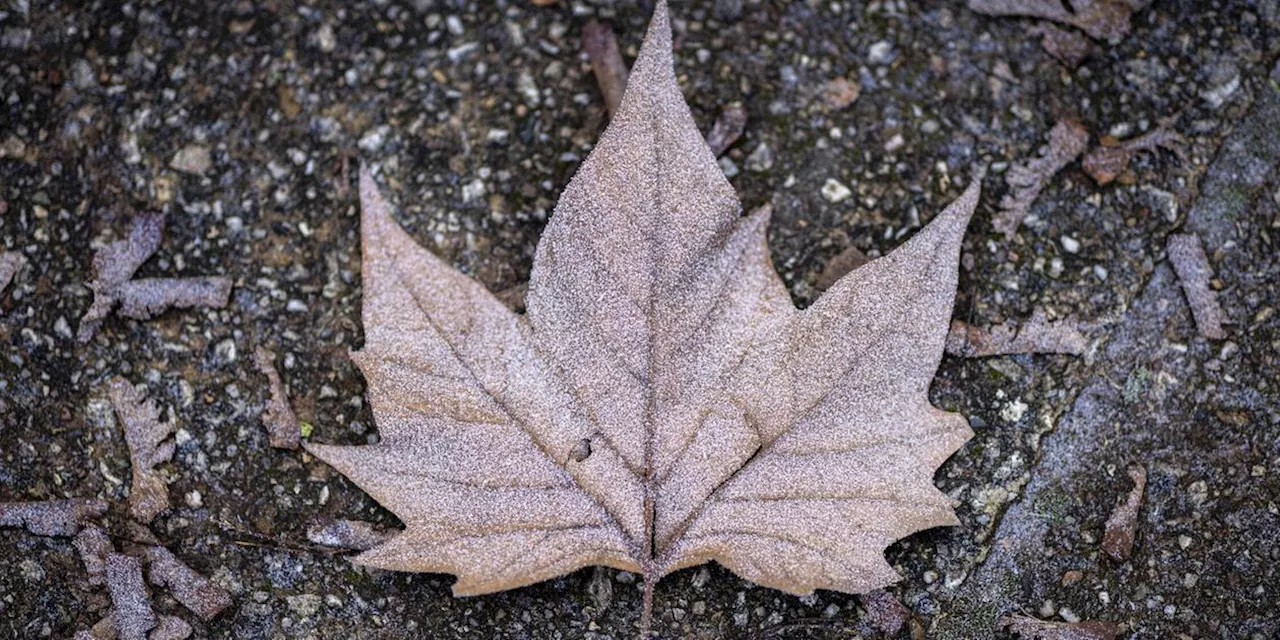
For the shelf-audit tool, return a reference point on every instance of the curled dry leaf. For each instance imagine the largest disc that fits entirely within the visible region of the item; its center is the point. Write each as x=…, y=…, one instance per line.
x=1192, y=267
x=133, y=614
x=1032, y=629
x=149, y=446
x=52, y=517
x=606, y=62
x=283, y=429
x=114, y=266
x=728, y=128
x=719, y=422
x=348, y=534
x=10, y=263
x=194, y=591
x=1122, y=525
x=1101, y=19
x=1036, y=335
x=104, y=629
x=1067, y=140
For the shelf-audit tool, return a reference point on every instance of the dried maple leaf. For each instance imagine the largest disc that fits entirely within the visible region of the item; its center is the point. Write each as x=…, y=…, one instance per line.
x=149, y=445
x=662, y=403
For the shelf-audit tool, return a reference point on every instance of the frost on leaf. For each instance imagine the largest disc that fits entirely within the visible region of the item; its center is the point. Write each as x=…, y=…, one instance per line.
x=114, y=266
x=149, y=446
x=662, y=403
x=53, y=517
x=133, y=613
x=1193, y=269
x=1067, y=140
x=194, y=591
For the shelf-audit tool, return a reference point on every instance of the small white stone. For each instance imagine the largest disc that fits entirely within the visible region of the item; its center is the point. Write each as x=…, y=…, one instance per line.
x=1070, y=245
x=194, y=499
x=881, y=53
x=833, y=191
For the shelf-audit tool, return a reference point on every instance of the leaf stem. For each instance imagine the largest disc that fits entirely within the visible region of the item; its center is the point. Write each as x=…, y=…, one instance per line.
x=646, y=612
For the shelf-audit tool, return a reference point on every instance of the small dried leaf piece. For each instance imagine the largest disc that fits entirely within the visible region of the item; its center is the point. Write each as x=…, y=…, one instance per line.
x=1069, y=47
x=348, y=534
x=606, y=62
x=1036, y=335
x=1122, y=526
x=170, y=628
x=194, y=591
x=1101, y=19
x=884, y=612
x=114, y=266
x=52, y=517
x=791, y=446
x=283, y=429
x=1067, y=140
x=1109, y=161
x=10, y=263
x=104, y=629
x=727, y=129
x=134, y=617
x=1192, y=267
x=1032, y=629
x=94, y=545
x=149, y=446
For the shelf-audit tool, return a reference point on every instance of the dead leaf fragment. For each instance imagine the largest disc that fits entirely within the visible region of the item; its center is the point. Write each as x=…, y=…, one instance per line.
x=727, y=128
x=348, y=534
x=1067, y=140
x=606, y=62
x=10, y=263
x=791, y=446
x=1069, y=47
x=114, y=266
x=1037, y=335
x=1192, y=267
x=94, y=545
x=52, y=517
x=1110, y=160
x=283, y=430
x=104, y=629
x=884, y=612
x=1033, y=629
x=133, y=614
x=170, y=628
x=1122, y=525
x=194, y=591
x=149, y=446
x=1101, y=19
